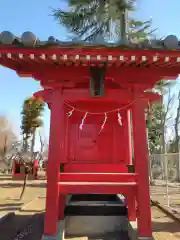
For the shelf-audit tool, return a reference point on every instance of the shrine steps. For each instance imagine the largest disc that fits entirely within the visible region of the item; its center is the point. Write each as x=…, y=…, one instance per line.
x=95, y=216
x=97, y=177
x=94, y=198
x=100, y=183
x=96, y=187
x=93, y=210
x=96, y=205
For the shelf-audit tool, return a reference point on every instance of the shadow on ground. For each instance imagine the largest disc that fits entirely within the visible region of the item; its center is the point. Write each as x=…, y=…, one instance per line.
x=171, y=227
x=29, y=227
x=17, y=185
x=10, y=207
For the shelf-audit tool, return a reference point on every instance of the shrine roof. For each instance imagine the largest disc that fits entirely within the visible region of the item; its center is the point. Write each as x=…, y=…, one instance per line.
x=29, y=56
x=29, y=40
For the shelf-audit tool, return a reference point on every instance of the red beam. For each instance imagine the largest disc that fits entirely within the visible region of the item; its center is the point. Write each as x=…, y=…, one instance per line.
x=97, y=177
x=74, y=95
x=84, y=94
x=151, y=97
x=114, y=52
x=96, y=168
x=45, y=94
x=47, y=72
x=96, y=187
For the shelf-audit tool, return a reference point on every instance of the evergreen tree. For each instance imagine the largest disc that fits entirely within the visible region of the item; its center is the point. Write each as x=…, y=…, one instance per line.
x=33, y=109
x=88, y=19
x=158, y=117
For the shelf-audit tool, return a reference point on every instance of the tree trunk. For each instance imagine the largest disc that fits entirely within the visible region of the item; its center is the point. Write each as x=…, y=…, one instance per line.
x=177, y=137
x=25, y=143
x=24, y=185
x=123, y=24
x=33, y=143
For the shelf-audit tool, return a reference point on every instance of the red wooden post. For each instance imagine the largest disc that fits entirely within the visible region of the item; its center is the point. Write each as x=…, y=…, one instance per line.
x=141, y=168
x=62, y=198
x=55, y=151
x=62, y=204
x=14, y=167
x=127, y=137
x=35, y=169
x=131, y=202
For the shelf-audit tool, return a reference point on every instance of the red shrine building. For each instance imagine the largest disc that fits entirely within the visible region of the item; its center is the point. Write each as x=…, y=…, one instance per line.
x=97, y=95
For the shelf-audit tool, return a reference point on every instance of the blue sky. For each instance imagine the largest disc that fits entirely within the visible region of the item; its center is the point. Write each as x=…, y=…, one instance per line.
x=35, y=15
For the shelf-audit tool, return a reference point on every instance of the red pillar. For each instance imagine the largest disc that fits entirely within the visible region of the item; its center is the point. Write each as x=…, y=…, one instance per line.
x=62, y=205
x=127, y=136
x=141, y=168
x=62, y=198
x=35, y=169
x=131, y=203
x=55, y=153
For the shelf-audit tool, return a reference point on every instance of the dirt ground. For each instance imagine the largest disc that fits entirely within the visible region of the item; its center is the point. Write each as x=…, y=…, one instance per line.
x=10, y=192
x=34, y=202
x=159, y=192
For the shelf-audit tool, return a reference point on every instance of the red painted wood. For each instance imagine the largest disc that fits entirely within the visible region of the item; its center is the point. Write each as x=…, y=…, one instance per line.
x=62, y=205
x=114, y=98
x=96, y=187
x=54, y=159
x=87, y=146
x=96, y=168
x=127, y=136
x=119, y=75
x=110, y=96
x=131, y=204
x=97, y=177
x=17, y=175
x=85, y=151
x=89, y=51
x=35, y=168
x=141, y=168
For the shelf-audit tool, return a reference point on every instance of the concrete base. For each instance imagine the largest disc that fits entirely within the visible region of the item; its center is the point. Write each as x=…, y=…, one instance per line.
x=133, y=233
x=94, y=225
x=59, y=235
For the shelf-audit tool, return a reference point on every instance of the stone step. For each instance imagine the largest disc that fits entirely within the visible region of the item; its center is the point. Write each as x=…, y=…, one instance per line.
x=96, y=210
x=96, y=197
x=95, y=226
x=95, y=203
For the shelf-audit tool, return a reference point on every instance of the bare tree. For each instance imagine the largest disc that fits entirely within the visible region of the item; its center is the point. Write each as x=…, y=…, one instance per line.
x=166, y=116
x=7, y=140
x=176, y=126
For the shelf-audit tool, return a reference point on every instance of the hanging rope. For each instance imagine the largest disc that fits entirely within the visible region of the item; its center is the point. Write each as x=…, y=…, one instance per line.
x=70, y=112
x=102, y=126
x=99, y=113
x=82, y=123
x=119, y=118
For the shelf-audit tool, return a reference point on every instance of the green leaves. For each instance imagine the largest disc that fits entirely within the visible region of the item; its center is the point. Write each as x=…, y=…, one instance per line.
x=154, y=125
x=89, y=18
x=139, y=30
x=31, y=116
